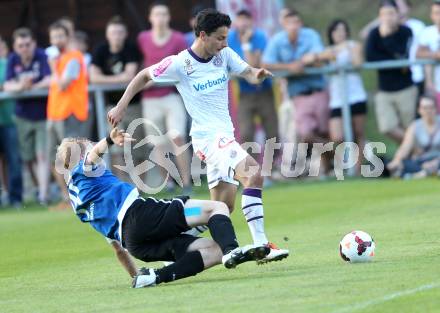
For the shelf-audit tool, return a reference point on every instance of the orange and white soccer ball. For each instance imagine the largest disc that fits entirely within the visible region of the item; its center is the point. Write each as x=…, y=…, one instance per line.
x=356, y=247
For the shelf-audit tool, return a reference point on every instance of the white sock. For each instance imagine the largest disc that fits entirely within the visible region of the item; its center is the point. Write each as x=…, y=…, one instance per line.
x=196, y=231
x=252, y=207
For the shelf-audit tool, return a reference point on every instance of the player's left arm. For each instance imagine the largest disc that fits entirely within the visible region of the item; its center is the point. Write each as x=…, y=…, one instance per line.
x=116, y=136
x=255, y=75
x=124, y=258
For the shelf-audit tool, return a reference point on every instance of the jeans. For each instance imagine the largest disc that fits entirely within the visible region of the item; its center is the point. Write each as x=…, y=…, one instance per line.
x=9, y=150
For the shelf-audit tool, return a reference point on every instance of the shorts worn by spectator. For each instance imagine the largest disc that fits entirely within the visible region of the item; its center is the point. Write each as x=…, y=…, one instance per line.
x=28, y=69
x=255, y=100
x=9, y=144
x=292, y=49
x=397, y=96
x=419, y=153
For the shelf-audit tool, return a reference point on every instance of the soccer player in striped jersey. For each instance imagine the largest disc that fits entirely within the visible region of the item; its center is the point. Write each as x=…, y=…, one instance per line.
x=201, y=74
x=150, y=229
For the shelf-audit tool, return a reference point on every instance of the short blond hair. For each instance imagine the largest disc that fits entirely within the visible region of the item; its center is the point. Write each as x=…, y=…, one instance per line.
x=71, y=151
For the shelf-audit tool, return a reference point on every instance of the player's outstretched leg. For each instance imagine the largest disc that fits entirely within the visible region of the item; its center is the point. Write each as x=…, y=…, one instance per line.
x=204, y=253
x=252, y=207
x=216, y=215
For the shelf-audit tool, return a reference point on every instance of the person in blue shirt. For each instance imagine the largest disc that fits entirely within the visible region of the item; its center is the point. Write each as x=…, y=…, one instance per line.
x=190, y=36
x=28, y=69
x=255, y=100
x=291, y=50
x=150, y=229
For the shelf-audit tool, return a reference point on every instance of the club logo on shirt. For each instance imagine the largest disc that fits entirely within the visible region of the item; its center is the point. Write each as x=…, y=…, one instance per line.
x=210, y=83
x=217, y=61
x=162, y=67
x=188, y=67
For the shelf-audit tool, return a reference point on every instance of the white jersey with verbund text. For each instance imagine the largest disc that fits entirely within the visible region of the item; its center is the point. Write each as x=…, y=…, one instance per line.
x=203, y=85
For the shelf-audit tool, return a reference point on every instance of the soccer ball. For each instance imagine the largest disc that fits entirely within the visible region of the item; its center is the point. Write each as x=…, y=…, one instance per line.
x=356, y=247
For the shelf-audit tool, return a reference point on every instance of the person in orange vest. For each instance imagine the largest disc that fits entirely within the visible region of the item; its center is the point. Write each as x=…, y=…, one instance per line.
x=67, y=106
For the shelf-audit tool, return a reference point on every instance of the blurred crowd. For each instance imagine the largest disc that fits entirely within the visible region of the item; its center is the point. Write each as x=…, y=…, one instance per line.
x=310, y=109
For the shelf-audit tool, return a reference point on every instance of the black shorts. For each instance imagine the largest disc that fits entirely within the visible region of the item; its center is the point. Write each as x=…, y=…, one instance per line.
x=359, y=108
x=152, y=229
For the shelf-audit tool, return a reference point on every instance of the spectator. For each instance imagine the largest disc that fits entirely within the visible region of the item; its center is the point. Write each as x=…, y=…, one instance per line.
x=80, y=42
x=255, y=100
x=343, y=52
x=162, y=105
x=9, y=139
x=28, y=69
x=116, y=61
x=52, y=51
x=396, y=99
x=293, y=49
x=429, y=48
x=67, y=107
x=416, y=26
x=419, y=153
x=190, y=36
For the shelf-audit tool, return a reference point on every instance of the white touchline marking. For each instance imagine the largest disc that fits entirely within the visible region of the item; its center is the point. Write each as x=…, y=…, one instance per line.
x=390, y=297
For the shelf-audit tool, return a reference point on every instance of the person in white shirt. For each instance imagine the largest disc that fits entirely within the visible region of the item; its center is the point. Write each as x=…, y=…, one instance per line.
x=429, y=48
x=201, y=75
x=342, y=52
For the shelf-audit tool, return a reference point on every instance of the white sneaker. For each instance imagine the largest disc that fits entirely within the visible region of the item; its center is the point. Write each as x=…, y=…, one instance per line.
x=145, y=278
x=275, y=254
x=244, y=254
x=167, y=263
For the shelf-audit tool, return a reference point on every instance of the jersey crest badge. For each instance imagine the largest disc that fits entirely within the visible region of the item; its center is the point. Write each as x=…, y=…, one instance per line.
x=217, y=61
x=188, y=67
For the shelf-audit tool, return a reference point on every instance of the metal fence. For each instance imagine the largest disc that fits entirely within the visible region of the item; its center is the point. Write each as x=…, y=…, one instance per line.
x=98, y=91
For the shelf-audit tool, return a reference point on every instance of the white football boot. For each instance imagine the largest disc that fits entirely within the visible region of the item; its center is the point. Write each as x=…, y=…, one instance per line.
x=145, y=278
x=275, y=254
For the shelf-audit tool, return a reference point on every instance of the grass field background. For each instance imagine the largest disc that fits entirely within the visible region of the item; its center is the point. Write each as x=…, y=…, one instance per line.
x=50, y=262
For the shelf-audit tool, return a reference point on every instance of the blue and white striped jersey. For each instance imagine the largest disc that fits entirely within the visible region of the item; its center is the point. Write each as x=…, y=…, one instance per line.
x=100, y=198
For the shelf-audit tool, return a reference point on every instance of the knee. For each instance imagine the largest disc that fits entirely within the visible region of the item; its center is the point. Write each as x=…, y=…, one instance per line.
x=337, y=140
x=254, y=180
x=178, y=140
x=219, y=207
x=211, y=255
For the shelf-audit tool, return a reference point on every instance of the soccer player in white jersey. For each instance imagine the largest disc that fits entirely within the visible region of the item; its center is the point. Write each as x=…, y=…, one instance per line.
x=150, y=229
x=201, y=74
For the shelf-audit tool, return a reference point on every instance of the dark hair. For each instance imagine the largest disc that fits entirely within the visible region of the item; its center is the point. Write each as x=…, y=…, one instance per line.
x=388, y=3
x=291, y=12
x=197, y=9
x=209, y=20
x=436, y=2
x=116, y=20
x=58, y=25
x=156, y=4
x=429, y=96
x=244, y=12
x=331, y=28
x=22, y=32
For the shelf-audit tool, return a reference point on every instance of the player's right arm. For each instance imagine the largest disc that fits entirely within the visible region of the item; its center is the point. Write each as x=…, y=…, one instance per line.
x=166, y=71
x=138, y=83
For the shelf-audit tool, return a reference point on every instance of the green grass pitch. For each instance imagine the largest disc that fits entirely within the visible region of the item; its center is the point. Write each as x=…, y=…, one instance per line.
x=50, y=262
